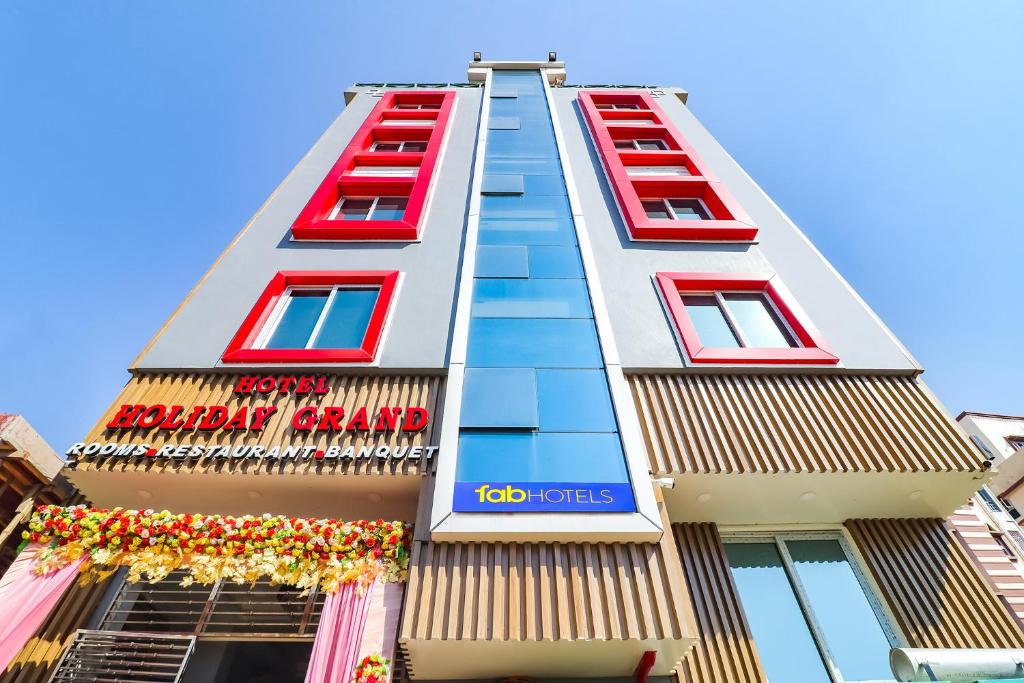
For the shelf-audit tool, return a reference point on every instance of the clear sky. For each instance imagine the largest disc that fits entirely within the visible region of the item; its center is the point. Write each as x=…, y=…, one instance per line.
x=137, y=139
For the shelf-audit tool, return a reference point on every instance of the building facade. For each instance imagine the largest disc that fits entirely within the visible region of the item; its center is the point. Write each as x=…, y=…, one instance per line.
x=637, y=425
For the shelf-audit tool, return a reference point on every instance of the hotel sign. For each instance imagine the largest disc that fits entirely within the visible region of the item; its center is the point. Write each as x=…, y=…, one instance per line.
x=542, y=497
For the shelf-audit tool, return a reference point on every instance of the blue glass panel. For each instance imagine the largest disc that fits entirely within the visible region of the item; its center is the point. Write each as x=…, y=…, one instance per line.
x=533, y=343
x=505, y=262
x=522, y=165
x=710, y=322
x=389, y=209
x=544, y=185
x=574, y=401
x=856, y=641
x=531, y=299
x=504, y=92
x=557, y=232
x=511, y=144
x=299, y=319
x=500, y=397
x=502, y=184
x=541, y=457
x=346, y=322
x=758, y=323
x=503, y=122
x=548, y=262
x=524, y=207
x=780, y=631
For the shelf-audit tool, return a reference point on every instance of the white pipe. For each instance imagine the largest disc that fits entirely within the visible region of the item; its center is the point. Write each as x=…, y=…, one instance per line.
x=935, y=664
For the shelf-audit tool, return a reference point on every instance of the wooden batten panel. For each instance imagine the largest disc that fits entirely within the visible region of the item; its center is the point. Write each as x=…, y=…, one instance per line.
x=37, y=660
x=545, y=592
x=718, y=424
x=936, y=593
x=724, y=651
x=347, y=391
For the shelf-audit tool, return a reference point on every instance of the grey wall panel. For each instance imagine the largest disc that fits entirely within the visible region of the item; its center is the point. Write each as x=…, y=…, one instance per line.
x=643, y=333
x=419, y=327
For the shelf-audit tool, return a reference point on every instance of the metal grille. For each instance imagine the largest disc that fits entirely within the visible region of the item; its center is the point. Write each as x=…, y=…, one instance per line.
x=101, y=657
x=223, y=609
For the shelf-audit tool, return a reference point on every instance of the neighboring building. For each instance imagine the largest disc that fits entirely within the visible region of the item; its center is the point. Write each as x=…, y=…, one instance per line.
x=29, y=476
x=641, y=425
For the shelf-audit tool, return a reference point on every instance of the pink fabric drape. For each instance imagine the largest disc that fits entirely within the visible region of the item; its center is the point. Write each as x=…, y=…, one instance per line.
x=339, y=635
x=26, y=599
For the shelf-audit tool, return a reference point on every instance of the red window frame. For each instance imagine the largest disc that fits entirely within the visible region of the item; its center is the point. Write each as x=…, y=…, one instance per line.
x=730, y=223
x=814, y=349
x=313, y=222
x=240, y=349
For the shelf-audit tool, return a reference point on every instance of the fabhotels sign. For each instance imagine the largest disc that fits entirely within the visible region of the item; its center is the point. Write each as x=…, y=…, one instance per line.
x=542, y=497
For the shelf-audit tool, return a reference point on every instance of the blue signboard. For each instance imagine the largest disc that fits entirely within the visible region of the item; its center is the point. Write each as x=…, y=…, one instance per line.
x=504, y=496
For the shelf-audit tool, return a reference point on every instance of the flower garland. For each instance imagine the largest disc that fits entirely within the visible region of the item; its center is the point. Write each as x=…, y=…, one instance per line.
x=291, y=551
x=372, y=669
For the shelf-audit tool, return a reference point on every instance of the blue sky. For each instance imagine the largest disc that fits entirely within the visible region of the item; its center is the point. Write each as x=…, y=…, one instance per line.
x=139, y=137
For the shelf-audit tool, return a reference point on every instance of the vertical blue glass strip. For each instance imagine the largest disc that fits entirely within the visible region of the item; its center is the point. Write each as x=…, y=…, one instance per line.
x=538, y=432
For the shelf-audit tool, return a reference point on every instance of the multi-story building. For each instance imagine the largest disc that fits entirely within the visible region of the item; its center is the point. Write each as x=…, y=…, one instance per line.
x=640, y=426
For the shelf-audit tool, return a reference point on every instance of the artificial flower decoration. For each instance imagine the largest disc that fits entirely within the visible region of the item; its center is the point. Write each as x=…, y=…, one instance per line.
x=293, y=551
x=372, y=669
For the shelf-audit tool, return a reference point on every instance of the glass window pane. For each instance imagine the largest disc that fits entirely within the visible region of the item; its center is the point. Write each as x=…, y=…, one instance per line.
x=710, y=322
x=574, y=401
x=495, y=183
x=354, y=209
x=524, y=207
x=502, y=262
x=550, y=262
x=689, y=210
x=783, y=639
x=624, y=144
x=758, y=322
x=651, y=145
x=656, y=209
x=389, y=209
x=414, y=146
x=346, y=322
x=530, y=299
x=503, y=122
x=855, y=639
x=553, y=232
x=387, y=146
x=533, y=343
x=532, y=457
x=299, y=318
x=499, y=397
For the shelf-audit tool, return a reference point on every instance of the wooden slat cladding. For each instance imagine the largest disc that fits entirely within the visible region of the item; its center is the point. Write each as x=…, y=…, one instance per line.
x=347, y=391
x=724, y=651
x=715, y=424
x=546, y=592
x=38, y=659
x=937, y=595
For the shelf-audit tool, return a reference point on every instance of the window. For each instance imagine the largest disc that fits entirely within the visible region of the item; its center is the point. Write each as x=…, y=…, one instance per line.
x=431, y=105
x=316, y=316
x=386, y=171
x=369, y=209
x=633, y=107
x=677, y=209
x=399, y=146
x=642, y=145
x=1015, y=442
x=811, y=612
x=740, y=318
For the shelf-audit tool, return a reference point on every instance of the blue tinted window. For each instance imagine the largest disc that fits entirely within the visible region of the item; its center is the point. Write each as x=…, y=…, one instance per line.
x=780, y=631
x=389, y=209
x=499, y=397
x=541, y=457
x=856, y=641
x=299, y=318
x=551, y=262
x=574, y=401
x=710, y=322
x=758, y=323
x=556, y=232
x=544, y=185
x=540, y=165
x=502, y=184
x=533, y=342
x=503, y=123
x=524, y=207
x=530, y=299
x=346, y=321
x=494, y=261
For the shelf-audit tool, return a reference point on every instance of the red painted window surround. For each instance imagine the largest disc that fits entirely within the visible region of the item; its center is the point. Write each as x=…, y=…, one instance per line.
x=814, y=349
x=427, y=125
x=240, y=349
x=730, y=222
